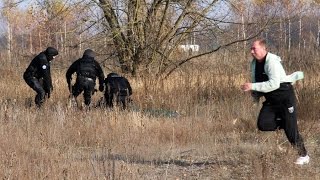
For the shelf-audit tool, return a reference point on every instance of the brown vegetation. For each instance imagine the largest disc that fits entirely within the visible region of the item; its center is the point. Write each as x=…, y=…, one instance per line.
x=215, y=134
x=214, y=137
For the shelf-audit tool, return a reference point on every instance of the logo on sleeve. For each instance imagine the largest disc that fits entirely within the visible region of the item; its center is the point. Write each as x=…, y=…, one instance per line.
x=291, y=109
x=44, y=67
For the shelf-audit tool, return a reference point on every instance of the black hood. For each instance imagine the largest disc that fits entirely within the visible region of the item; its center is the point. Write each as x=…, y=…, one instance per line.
x=113, y=75
x=89, y=53
x=50, y=51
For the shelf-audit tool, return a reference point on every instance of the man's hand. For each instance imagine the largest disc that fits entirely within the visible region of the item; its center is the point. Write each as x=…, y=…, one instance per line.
x=101, y=87
x=246, y=86
x=48, y=94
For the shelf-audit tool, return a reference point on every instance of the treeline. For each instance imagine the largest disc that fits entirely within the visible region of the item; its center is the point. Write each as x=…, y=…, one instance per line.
x=142, y=37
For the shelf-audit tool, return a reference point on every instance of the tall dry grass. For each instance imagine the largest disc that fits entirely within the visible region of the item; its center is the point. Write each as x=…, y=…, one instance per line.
x=214, y=136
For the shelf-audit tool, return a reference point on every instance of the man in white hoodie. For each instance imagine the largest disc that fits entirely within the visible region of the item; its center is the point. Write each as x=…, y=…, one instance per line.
x=270, y=80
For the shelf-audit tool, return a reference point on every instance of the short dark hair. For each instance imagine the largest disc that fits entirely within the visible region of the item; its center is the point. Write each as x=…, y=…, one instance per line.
x=262, y=42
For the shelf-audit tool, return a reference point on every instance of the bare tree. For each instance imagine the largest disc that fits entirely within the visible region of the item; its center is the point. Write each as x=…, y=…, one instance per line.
x=147, y=34
x=13, y=23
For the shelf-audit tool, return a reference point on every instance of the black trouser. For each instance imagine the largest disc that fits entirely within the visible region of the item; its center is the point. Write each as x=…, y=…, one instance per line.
x=37, y=85
x=279, y=111
x=85, y=85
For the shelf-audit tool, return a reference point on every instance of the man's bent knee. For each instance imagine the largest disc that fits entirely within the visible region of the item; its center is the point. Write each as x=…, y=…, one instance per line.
x=267, y=127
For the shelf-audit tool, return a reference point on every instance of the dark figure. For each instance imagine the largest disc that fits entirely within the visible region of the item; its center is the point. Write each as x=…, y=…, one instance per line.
x=38, y=75
x=87, y=69
x=269, y=79
x=118, y=88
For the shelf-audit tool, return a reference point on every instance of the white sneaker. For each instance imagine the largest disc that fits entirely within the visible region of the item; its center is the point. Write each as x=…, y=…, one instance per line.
x=303, y=160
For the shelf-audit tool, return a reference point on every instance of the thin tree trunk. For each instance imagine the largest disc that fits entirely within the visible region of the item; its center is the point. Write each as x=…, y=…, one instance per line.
x=9, y=44
x=300, y=33
x=40, y=41
x=280, y=33
x=285, y=36
x=30, y=42
x=289, y=35
x=244, y=35
x=65, y=39
x=80, y=44
x=238, y=36
x=318, y=36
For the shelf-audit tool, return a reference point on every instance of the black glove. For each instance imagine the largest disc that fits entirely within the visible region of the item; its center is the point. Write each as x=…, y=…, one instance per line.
x=69, y=84
x=48, y=92
x=101, y=87
x=69, y=87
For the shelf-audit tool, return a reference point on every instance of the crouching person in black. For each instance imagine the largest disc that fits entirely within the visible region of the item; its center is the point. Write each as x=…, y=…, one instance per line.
x=38, y=75
x=87, y=69
x=117, y=88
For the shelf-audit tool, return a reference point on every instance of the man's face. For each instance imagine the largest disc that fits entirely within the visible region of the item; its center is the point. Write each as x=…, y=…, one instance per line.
x=258, y=51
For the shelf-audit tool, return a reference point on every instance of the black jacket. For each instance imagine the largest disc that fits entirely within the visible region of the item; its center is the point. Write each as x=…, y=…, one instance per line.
x=39, y=68
x=86, y=66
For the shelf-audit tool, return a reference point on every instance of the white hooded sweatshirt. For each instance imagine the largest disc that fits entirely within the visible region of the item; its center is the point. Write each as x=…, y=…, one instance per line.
x=276, y=74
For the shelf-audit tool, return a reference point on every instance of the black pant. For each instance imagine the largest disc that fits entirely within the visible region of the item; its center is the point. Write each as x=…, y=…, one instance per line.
x=279, y=111
x=37, y=85
x=85, y=85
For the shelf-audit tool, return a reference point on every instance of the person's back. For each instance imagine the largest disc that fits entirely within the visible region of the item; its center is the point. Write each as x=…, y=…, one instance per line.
x=118, y=88
x=87, y=70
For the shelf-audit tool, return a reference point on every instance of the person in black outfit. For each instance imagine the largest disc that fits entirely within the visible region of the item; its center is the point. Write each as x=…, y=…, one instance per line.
x=118, y=88
x=38, y=75
x=87, y=69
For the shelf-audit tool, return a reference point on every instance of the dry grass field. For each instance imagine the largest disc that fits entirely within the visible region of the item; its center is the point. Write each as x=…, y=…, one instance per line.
x=213, y=137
